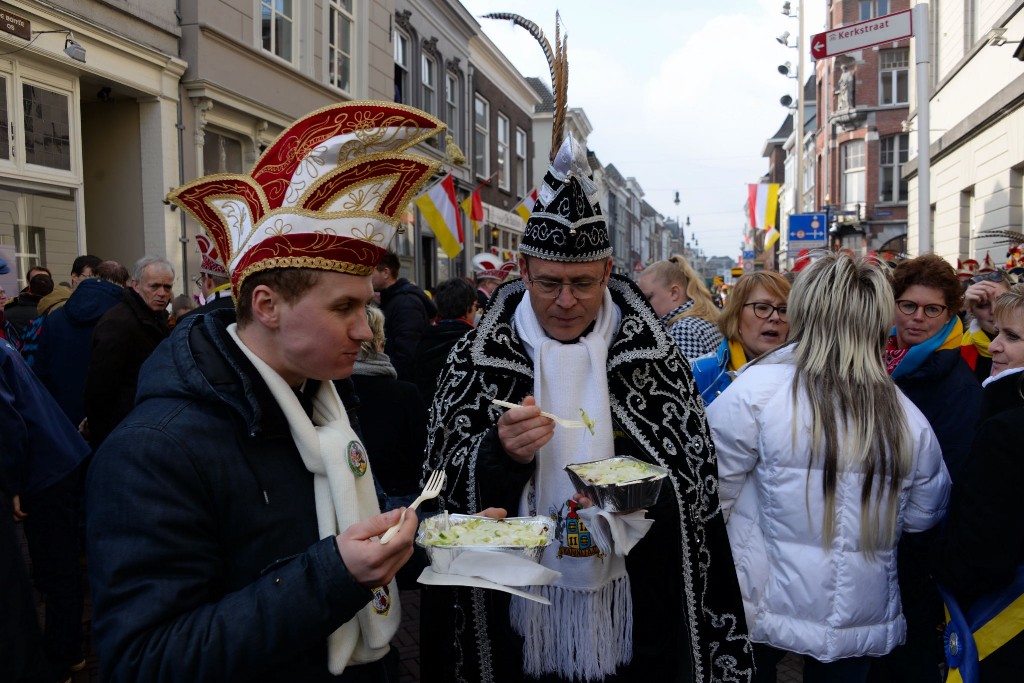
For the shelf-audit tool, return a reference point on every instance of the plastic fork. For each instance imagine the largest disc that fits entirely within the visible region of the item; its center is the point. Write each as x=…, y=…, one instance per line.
x=434, y=486
x=562, y=422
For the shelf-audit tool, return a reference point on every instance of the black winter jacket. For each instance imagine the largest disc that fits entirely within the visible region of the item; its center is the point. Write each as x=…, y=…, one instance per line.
x=408, y=312
x=205, y=560
x=432, y=352
x=121, y=341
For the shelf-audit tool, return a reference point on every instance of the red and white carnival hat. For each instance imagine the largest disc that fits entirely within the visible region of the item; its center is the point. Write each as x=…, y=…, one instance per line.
x=488, y=266
x=327, y=194
x=212, y=263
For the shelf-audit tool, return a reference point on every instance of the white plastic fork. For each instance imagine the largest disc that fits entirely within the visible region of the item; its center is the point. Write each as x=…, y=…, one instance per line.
x=434, y=486
x=562, y=422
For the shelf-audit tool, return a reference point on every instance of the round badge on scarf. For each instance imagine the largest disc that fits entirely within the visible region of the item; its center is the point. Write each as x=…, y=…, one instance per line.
x=357, y=458
x=381, y=600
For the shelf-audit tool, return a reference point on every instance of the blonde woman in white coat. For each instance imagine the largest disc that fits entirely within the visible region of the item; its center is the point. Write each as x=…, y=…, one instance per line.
x=822, y=464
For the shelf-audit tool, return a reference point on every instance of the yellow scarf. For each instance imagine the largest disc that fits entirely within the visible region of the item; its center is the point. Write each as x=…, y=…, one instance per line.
x=979, y=339
x=737, y=357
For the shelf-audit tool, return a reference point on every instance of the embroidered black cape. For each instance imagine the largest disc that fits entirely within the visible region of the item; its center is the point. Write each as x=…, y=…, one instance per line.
x=688, y=618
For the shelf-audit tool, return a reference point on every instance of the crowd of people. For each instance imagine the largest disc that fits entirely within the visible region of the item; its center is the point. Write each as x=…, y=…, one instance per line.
x=240, y=465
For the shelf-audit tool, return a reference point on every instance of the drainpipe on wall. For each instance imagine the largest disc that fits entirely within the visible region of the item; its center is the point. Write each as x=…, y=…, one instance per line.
x=180, y=126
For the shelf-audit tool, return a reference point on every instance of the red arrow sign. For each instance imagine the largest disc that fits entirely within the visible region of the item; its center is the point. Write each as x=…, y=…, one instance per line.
x=861, y=35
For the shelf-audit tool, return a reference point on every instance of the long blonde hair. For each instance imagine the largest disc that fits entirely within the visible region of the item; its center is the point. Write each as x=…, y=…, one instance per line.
x=676, y=271
x=840, y=310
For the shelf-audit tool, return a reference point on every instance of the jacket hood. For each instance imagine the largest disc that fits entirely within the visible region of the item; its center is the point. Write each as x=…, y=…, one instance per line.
x=403, y=286
x=90, y=300
x=200, y=361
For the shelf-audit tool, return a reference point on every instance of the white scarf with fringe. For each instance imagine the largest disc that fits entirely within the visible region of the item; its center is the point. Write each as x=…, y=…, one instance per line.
x=587, y=631
x=342, y=499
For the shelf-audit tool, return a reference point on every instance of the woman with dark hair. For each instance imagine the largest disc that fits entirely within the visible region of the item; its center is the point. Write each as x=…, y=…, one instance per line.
x=680, y=298
x=822, y=465
x=983, y=541
x=753, y=323
x=923, y=357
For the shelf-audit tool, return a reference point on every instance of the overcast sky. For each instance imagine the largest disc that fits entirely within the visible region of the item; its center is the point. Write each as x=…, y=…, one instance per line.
x=682, y=96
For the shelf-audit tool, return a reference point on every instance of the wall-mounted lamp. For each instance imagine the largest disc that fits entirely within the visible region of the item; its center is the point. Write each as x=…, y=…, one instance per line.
x=495, y=233
x=997, y=38
x=72, y=48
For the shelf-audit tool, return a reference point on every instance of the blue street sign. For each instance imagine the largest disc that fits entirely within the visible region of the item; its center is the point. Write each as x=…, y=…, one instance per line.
x=808, y=227
x=748, y=255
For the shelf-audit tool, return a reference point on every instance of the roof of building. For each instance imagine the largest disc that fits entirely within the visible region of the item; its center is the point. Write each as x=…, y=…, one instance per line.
x=547, y=100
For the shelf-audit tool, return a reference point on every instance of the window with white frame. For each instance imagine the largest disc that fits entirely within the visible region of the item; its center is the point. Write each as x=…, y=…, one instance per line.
x=451, y=106
x=428, y=79
x=277, y=20
x=893, y=153
x=481, y=137
x=402, y=57
x=869, y=9
x=520, y=163
x=47, y=126
x=341, y=23
x=503, y=150
x=40, y=167
x=893, y=77
x=853, y=172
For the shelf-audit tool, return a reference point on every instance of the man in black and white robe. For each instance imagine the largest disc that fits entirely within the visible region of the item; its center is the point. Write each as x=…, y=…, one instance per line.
x=571, y=338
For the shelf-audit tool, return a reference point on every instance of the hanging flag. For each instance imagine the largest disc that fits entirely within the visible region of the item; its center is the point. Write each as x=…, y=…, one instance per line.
x=763, y=204
x=525, y=207
x=442, y=215
x=474, y=208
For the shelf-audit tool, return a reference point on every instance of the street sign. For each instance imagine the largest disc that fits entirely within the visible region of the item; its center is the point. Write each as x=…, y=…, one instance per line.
x=861, y=35
x=808, y=227
x=736, y=272
x=15, y=25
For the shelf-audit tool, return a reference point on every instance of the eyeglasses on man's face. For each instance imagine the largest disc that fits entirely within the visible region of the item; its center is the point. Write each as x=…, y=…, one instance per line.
x=764, y=311
x=580, y=289
x=908, y=307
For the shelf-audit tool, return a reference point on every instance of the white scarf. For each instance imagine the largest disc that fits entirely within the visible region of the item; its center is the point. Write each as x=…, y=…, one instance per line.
x=587, y=632
x=331, y=450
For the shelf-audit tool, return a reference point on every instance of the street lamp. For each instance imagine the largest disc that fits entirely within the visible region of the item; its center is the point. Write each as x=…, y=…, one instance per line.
x=679, y=224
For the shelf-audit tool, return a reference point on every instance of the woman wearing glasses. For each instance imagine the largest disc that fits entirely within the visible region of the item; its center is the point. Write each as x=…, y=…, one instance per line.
x=822, y=464
x=682, y=301
x=923, y=357
x=753, y=323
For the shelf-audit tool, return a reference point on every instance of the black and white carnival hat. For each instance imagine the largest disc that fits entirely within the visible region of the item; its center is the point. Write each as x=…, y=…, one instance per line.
x=566, y=223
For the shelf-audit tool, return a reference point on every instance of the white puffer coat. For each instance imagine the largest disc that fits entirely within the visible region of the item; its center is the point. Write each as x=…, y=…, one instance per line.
x=799, y=596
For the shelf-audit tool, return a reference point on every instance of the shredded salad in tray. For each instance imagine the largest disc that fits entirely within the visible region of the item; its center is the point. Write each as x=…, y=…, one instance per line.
x=612, y=471
x=484, y=531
